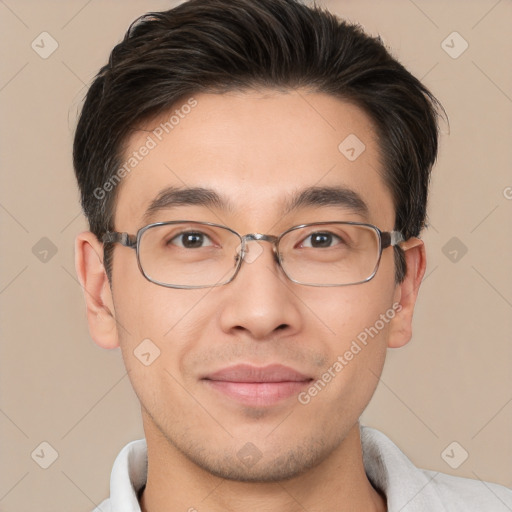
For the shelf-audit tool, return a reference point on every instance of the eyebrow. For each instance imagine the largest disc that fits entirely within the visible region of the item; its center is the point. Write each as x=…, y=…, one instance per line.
x=328, y=196
x=171, y=197
x=186, y=196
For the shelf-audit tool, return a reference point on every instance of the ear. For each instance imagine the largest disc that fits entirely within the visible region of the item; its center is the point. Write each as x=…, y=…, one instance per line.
x=407, y=292
x=98, y=296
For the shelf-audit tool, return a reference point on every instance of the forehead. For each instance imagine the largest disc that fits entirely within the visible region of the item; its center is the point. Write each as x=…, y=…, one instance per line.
x=256, y=150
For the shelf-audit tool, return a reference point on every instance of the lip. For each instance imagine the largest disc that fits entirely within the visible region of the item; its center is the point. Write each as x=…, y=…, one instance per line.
x=257, y=386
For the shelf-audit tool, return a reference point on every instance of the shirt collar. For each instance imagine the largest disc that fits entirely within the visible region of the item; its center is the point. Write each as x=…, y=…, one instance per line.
x=407, y=488
x=129, y=475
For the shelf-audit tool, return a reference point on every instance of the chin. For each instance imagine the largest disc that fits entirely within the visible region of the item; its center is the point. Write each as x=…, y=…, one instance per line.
x=249, y=464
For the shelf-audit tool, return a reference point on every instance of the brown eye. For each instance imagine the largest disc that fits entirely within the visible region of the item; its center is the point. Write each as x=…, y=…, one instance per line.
x=191, y=240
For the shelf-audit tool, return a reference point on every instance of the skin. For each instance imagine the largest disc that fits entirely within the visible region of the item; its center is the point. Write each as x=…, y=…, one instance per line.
x=257, y=148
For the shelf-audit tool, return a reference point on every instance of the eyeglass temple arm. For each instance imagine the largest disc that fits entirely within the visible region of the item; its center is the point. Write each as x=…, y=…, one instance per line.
x=391, y=238
x=112, y=237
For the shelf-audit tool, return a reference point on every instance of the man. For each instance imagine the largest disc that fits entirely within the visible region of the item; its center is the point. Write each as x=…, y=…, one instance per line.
x=255, y=177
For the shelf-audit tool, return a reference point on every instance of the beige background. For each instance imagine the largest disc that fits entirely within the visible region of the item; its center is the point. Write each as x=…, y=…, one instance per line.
x=451, y=383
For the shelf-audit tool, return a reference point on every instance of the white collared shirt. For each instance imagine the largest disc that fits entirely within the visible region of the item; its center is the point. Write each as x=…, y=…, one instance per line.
x=406, y=487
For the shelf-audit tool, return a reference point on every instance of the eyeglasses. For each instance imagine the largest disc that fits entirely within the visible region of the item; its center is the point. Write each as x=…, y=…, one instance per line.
x=190, y=254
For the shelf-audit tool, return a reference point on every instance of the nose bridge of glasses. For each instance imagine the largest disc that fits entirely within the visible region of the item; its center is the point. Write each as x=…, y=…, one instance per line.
x=259, y=237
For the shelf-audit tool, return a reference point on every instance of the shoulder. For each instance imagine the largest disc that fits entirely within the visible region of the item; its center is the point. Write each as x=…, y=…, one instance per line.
x=468, y=495
x=411, y=489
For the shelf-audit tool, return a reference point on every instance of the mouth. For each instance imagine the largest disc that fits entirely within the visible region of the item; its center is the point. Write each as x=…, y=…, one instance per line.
x=257, y=386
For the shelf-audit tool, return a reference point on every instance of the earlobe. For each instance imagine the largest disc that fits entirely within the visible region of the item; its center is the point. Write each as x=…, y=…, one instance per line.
x=407, y=292
x=98, y=297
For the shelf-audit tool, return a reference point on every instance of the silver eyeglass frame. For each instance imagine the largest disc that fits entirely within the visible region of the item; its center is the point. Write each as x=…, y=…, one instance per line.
x=386, y=239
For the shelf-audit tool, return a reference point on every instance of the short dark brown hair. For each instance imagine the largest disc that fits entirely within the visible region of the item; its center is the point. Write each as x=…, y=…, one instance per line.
x=214, y=46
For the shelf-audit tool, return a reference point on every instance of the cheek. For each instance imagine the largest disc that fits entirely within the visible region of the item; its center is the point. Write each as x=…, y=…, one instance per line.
x=144, y=309
x=170, y=317
x=158, y=327
x=356, y=321
x=346, y=312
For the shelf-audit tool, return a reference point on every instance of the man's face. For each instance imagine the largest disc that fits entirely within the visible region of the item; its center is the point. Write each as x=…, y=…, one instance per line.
x=256, y=150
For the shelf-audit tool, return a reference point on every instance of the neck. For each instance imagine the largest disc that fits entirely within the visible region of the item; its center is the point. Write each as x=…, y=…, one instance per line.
x=175, y=483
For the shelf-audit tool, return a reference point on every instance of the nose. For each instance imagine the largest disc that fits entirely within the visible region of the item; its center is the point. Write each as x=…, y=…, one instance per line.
x=260, y=301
